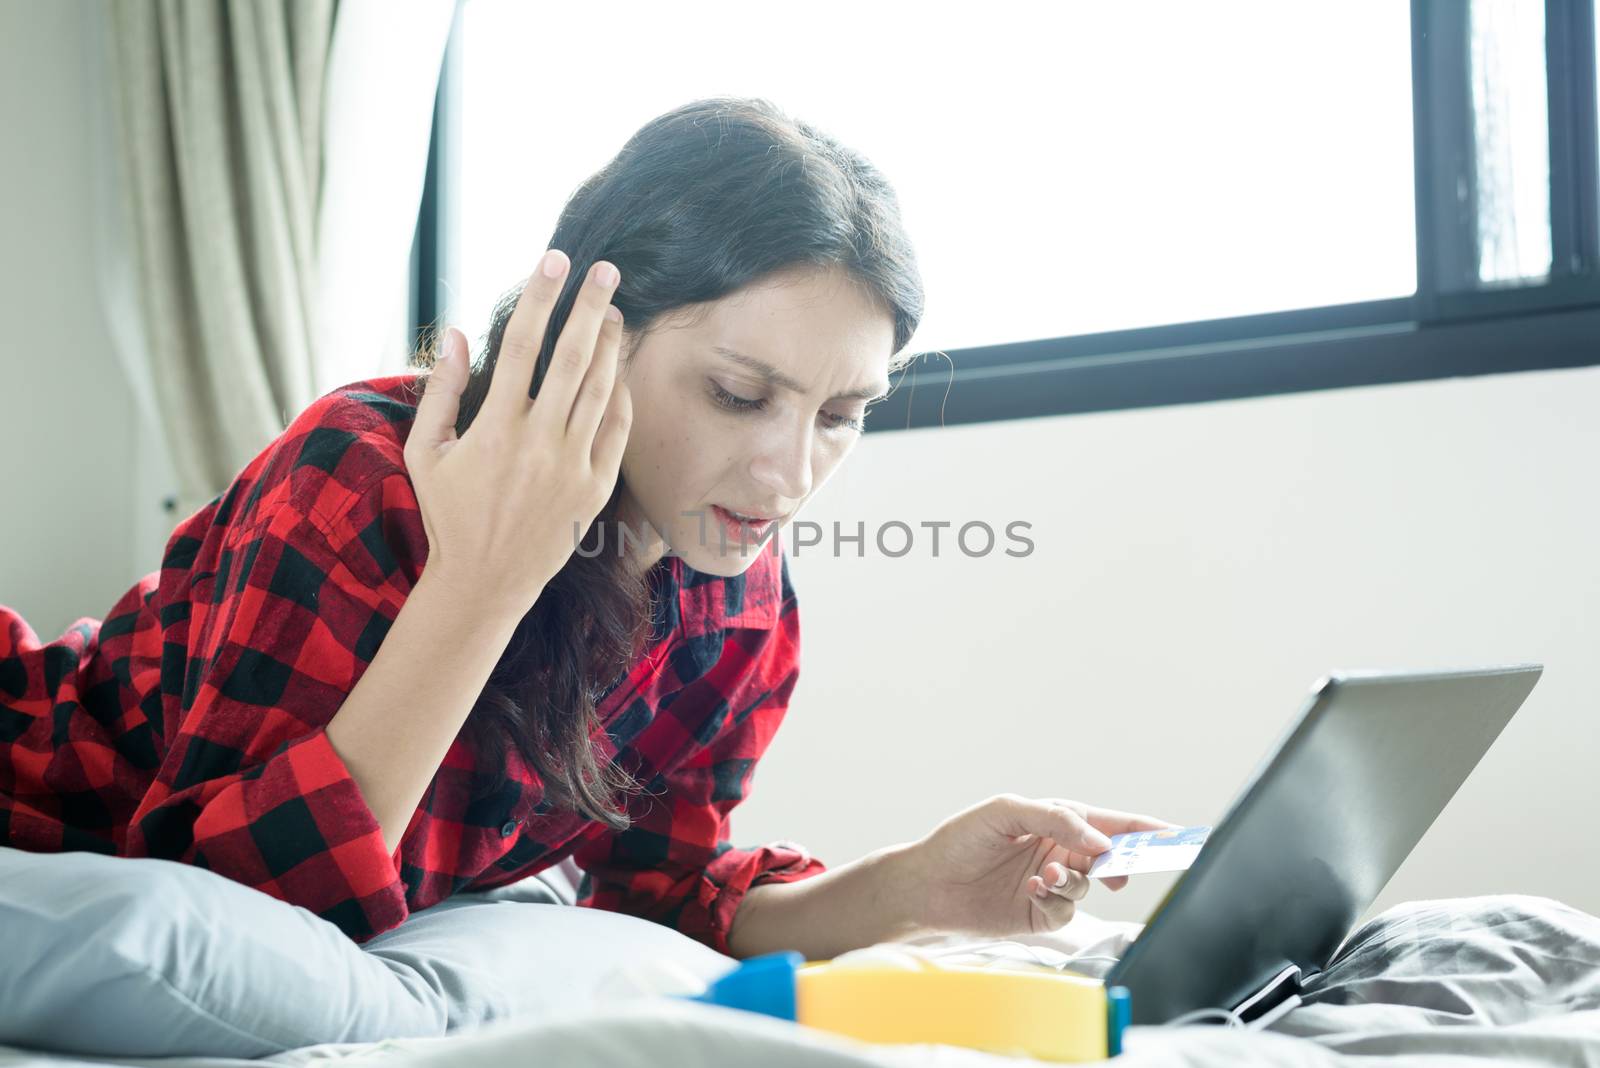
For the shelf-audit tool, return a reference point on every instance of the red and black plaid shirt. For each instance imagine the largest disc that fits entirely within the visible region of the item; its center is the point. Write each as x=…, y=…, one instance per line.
x=189, y=725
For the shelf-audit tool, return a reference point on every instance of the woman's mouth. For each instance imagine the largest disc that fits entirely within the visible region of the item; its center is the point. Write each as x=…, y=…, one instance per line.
x=742, y=526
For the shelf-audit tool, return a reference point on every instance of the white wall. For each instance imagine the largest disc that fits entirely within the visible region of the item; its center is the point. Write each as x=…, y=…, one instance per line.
x=1195, y=569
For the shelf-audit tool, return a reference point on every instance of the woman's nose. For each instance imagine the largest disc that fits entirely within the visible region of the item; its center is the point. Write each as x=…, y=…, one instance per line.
x=783, y=464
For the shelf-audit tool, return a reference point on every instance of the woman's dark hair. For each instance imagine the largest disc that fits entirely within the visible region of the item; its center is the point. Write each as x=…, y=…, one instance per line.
x=702, y=201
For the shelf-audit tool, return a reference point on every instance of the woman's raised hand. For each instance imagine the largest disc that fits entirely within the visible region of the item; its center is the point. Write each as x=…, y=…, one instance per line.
x=505, y=505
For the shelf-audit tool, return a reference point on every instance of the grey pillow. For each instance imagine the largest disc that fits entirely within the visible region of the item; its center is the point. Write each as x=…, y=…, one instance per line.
x=151, y=958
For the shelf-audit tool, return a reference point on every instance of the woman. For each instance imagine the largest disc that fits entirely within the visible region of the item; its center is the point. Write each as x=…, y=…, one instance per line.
x=450, y=629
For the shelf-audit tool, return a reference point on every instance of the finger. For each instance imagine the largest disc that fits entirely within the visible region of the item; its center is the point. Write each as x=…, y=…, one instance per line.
x=1112, y=822
x=1056, y=910
x=435, y=422
x=612, y=438
x=574, y=349
x=1066, y=882
x=1115, y=882
x=1078, y=861
x=1060, y=822
x=595, y=393
x=512, y=378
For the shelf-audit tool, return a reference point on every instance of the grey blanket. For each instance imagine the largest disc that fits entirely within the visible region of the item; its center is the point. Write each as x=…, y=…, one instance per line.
x=1504, y=979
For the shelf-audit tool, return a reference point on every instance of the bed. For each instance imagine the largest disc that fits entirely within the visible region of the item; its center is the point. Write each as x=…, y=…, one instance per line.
x=1467, y=981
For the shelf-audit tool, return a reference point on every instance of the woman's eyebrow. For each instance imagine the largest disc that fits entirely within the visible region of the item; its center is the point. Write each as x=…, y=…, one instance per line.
x=774, y=377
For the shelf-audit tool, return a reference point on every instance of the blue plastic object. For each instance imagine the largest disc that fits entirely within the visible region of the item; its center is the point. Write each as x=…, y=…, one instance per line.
x=1119, y=1013
x=759, y=984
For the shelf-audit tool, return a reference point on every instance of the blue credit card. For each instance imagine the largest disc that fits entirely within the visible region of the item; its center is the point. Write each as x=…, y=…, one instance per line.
x=1139, y=852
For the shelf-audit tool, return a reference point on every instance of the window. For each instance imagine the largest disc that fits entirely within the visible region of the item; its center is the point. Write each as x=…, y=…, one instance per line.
x=1511, y=140
x=1112, y=205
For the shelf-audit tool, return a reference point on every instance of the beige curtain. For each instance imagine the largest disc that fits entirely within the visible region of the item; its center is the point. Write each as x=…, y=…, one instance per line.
x=218, y=118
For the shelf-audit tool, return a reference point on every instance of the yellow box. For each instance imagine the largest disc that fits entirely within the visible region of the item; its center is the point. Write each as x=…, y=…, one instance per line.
x=1045, y=1014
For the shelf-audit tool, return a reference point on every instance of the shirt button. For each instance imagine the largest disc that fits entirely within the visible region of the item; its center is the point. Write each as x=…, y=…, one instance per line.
x=509, y=828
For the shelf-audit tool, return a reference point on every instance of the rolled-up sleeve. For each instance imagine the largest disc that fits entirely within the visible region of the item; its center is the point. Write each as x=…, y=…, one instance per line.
x=676, y=864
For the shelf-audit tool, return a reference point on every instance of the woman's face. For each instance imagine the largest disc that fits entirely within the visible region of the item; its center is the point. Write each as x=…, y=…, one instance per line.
x=713, y=431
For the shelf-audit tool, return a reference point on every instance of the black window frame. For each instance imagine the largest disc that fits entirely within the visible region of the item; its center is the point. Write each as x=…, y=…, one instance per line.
x=434, y=244
x=1451, y=327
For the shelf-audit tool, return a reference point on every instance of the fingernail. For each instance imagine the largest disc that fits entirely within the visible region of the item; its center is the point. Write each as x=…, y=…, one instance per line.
x=604, y=274
x=613, y=314
x=554, y=262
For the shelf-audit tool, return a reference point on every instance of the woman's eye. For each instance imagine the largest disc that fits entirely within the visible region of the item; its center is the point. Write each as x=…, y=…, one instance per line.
x=846, y=422
x=736, y=403
x=733, y=401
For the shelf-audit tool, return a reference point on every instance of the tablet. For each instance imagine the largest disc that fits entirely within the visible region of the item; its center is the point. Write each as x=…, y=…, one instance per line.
x=1350, y=788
